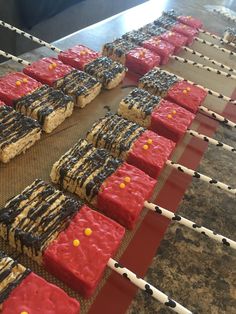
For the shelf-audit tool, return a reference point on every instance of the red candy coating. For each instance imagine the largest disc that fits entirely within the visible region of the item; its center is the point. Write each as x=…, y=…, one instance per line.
x=35, y=295
x=82, y=266
x=78, y=56
x=170, y=120
x=160, y=47
x=185, y=30
x=1, y=103
x=190, y=21
x=150, y=157
x=47, y=70
x=187, y=95
x=125, y=204
x=141, y=60
x=175, y=39
x=16, y=85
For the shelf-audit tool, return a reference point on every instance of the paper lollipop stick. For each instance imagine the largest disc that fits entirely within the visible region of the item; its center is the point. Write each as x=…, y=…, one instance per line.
x=217, y=116
x=209, y=91
x=205, y=42
x=223, y=66
x=13, y=58
x=145, y=286
x=202, y=177
x=190, y=224
x=211, y=140
x=204, y=67
x=33, y=38
x=217, y=37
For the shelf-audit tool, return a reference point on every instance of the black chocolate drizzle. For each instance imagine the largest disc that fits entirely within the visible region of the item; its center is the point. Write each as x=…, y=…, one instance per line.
x=136, y=36
x=118, y=47
x=153, y=29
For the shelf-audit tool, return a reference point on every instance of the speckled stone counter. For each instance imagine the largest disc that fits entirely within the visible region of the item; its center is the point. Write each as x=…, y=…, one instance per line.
x=192, y=269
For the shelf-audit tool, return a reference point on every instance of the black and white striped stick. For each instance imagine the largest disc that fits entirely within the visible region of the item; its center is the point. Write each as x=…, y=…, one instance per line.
x=208, y=43
x=204, y=67
x=31, y=37
x=190, y=224
x=145, y=286
x=211, y=141
x=222, y=40
x=14, y=58
x=209, y=91
x=215, y=62
x=217, y=116
x=202, y=177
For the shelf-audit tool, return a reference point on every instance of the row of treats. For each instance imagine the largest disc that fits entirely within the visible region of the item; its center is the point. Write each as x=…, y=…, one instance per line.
x=119, y=160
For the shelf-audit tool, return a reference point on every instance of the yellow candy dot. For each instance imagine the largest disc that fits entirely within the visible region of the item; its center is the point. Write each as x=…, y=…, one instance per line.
x=122, y=185
x=185, y=91
x=145, y=147
x=50, y=67
x=25, y=80
x=83, y=52
x=54, y=65
x=76, y=242
x=149, y=141
x=87, y=231
x=18, y=83
x=169, y=116
x=24, y=312
x=174, y=111
x=188, y=89
x=127, y=179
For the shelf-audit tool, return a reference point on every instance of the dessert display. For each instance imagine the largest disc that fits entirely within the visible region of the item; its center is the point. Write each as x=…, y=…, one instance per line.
x=230, y=34
x=175, y=26
x=17, y=133
x=106, y=182
x=46, y=225
x=159, y=115
x=50, y=107
x=78, y=84
x=168, y=86
x=22, y=291
x=127, y=140
x=108, y=72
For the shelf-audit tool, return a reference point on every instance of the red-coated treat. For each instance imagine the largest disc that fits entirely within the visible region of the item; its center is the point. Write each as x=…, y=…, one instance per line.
x=141, y=60
x=15, y=85
x=80, y=253
x=124, y=200
x=34, y=295
x=170, y=120
x=150, y=153
x=163, y=48
x=187, y=95
x=1, y=103
x=175, y=39
x=190, y=21
x=47, y=70
x=78, y=56
x=185, y=30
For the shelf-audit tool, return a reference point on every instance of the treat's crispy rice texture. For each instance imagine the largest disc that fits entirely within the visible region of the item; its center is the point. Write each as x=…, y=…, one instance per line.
x=78, y=56
x=157, y=82
x=11, y=275
x=165, y=21
x=83, y=169
x=80, y=85
x=118, y=49
x=34, y=218
x=17, y=133
x=36, y=295
x=141, y=60
x=16, y=85
x=82, y=265
x=153, y=29
x=50, y=107
x=230, y=34
x=47, y=70
x=141, y=148
x=108, y=72
x=136, y=36
x=138, y=106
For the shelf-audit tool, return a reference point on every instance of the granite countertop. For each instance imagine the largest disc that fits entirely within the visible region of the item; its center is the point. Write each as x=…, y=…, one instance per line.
x=194, y=270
